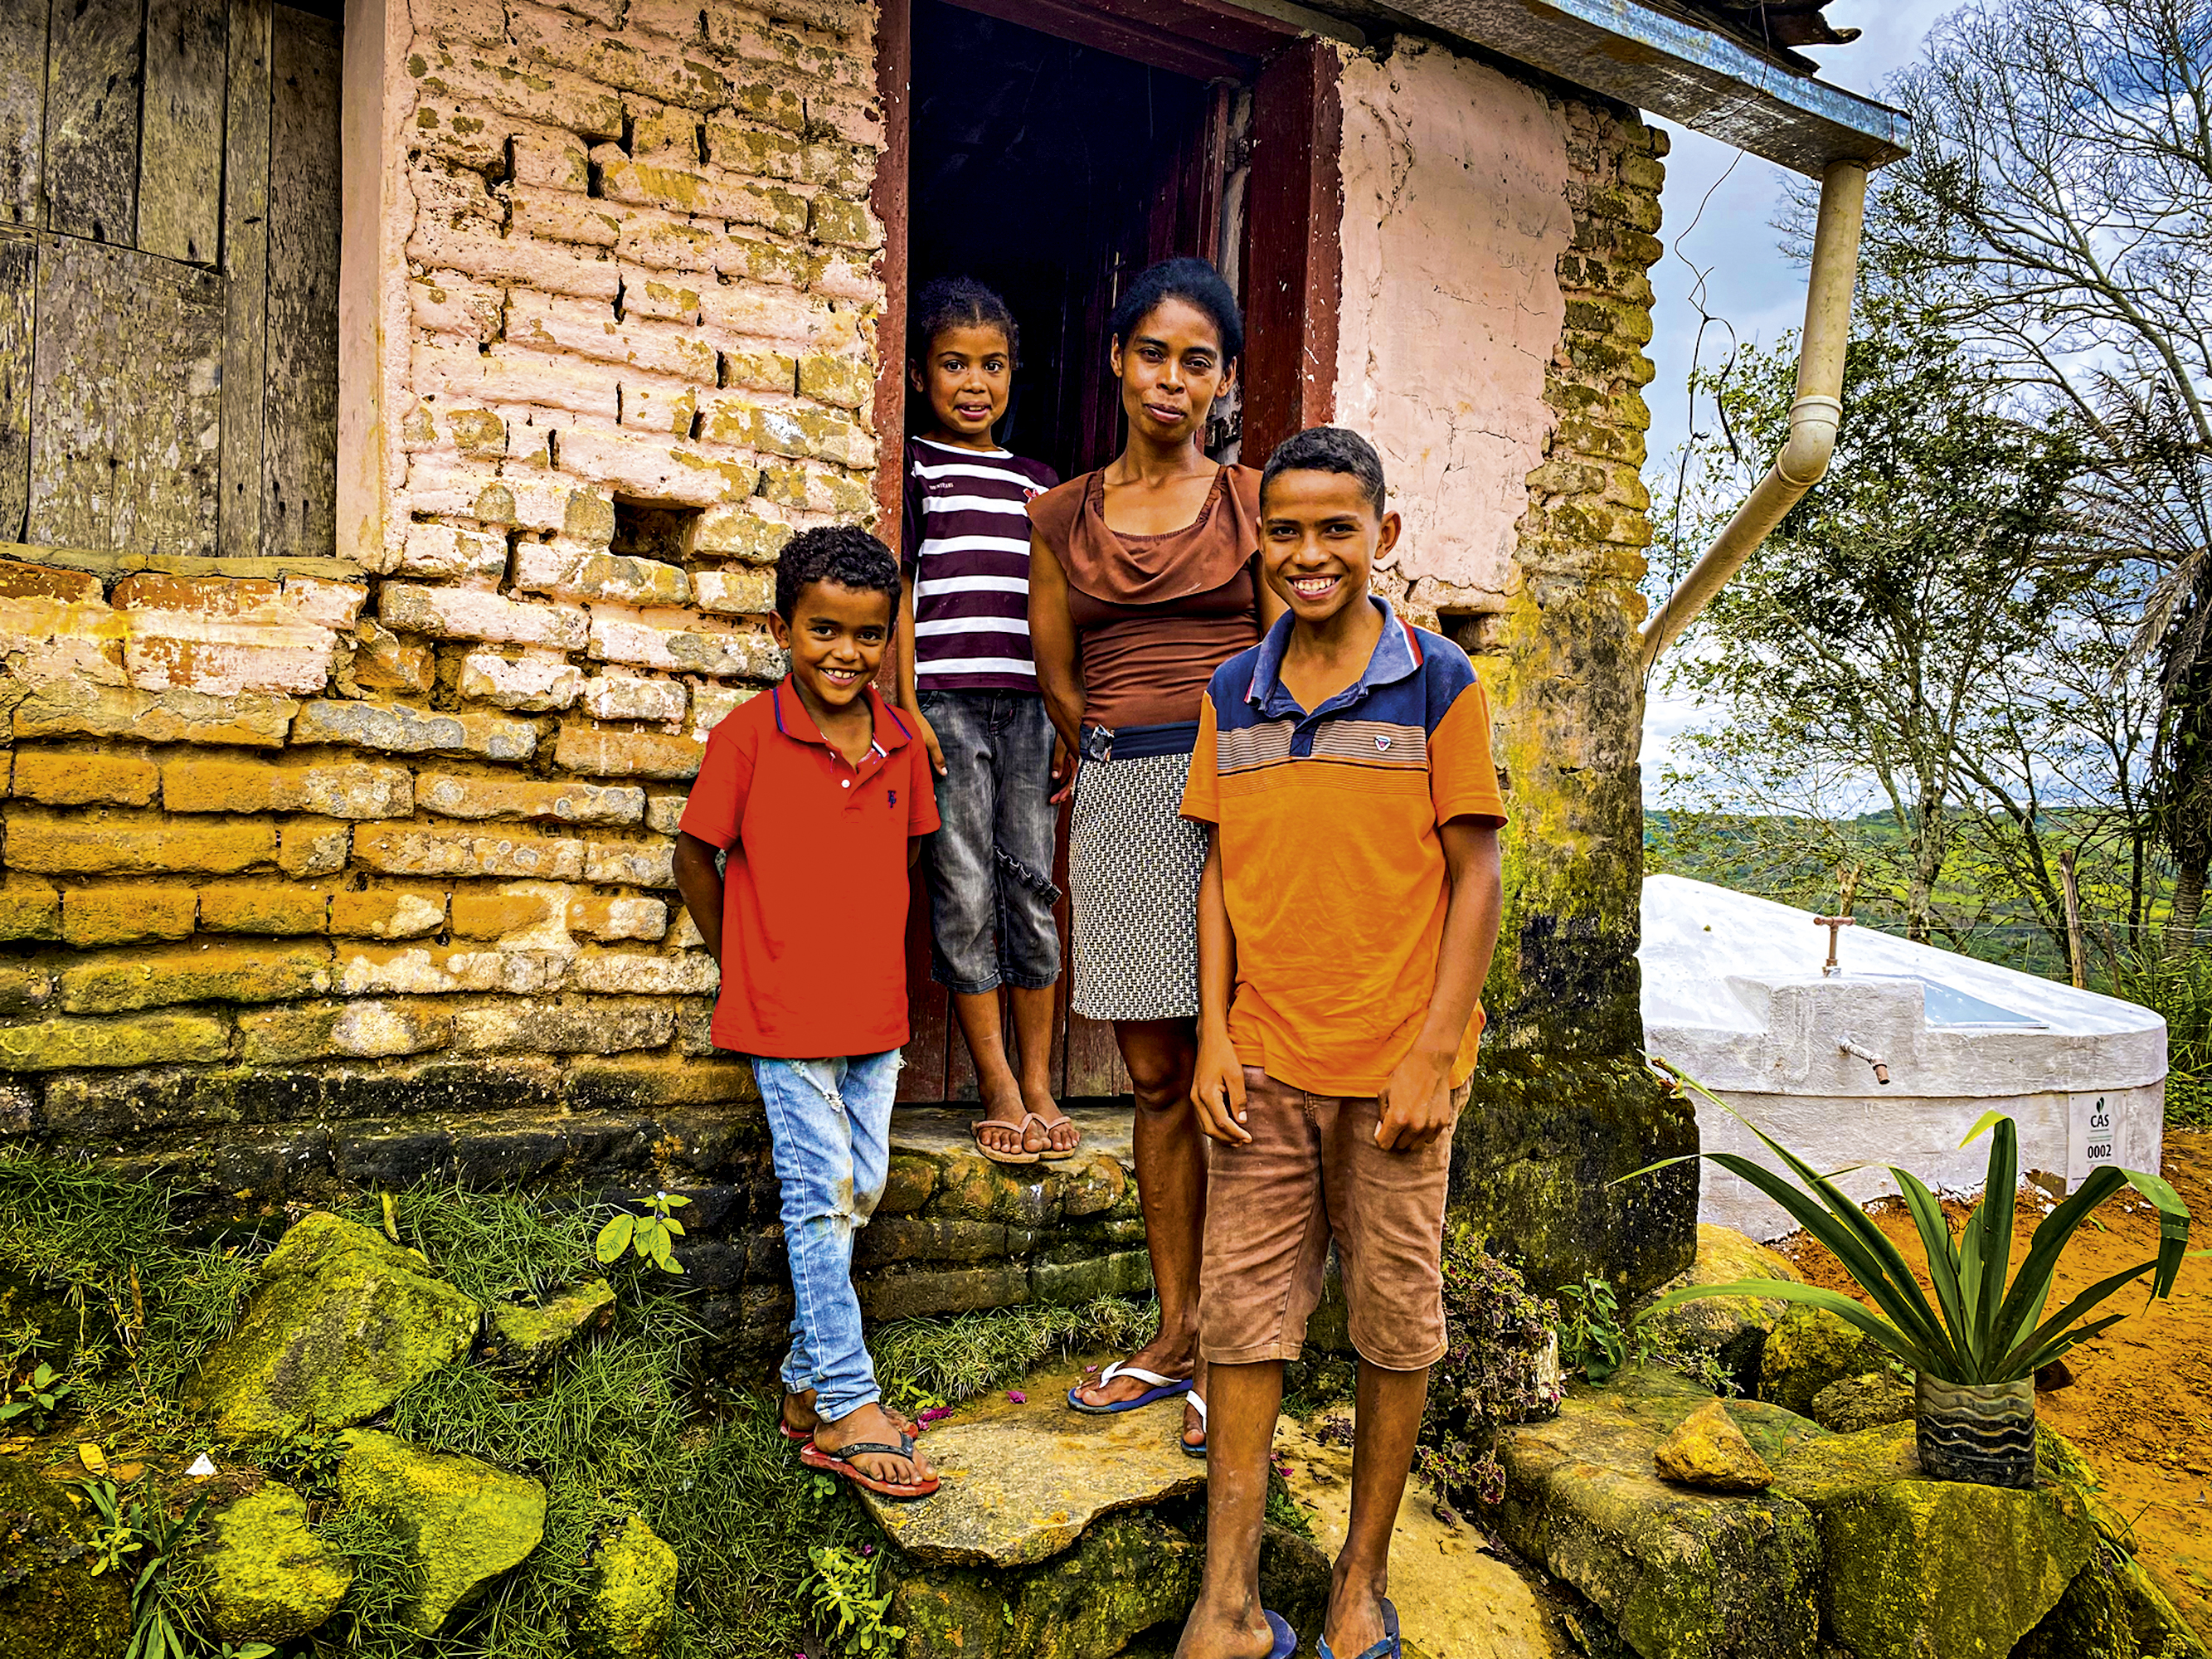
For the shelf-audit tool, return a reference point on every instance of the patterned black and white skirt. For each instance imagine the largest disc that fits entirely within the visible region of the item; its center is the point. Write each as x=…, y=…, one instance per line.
x=1134, y=862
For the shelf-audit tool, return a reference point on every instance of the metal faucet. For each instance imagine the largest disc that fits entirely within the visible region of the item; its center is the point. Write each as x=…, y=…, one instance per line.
x=1844, y=1045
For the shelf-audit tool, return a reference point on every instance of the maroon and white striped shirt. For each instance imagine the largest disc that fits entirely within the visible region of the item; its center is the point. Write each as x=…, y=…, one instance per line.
x=967, y=547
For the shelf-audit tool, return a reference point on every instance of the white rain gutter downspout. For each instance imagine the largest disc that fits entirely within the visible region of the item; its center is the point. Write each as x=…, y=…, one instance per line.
x=1815, y=417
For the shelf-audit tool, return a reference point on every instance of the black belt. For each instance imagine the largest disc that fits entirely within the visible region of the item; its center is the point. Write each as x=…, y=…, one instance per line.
x=1102, y=743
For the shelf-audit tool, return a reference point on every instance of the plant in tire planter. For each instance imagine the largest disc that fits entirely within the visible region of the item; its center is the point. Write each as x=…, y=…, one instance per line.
x=1977, y=1347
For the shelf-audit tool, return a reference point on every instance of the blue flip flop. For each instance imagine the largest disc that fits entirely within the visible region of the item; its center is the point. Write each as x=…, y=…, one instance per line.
x=1385, y=1649
x=1164, y=1388
x=1287, y=1639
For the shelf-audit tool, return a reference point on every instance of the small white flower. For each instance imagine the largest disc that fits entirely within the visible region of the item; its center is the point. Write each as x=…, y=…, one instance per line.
x=202, y=1465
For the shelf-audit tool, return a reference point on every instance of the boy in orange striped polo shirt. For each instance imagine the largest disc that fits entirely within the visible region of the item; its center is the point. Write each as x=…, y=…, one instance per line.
x=1346, y=918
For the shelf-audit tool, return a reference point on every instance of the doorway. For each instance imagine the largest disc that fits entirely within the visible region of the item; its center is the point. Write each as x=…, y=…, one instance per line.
x=1054, y=150
x=1054, y=172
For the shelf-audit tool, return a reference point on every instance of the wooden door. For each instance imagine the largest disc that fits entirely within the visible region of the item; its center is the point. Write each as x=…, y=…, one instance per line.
x=168, y=276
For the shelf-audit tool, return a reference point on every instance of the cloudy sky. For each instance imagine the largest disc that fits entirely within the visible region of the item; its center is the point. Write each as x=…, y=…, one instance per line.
x=1760, y=293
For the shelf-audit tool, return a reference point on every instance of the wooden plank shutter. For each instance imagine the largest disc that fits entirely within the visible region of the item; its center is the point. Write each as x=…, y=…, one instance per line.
x=168, y=276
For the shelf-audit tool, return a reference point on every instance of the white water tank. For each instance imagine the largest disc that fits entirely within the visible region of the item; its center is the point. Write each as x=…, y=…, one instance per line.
x=1734, y=994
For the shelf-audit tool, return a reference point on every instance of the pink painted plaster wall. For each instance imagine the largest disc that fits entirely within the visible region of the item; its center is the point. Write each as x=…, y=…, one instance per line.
x=1455, y=214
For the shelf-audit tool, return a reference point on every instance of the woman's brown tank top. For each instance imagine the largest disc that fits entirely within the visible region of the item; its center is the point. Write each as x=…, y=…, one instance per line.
x=1155, y=616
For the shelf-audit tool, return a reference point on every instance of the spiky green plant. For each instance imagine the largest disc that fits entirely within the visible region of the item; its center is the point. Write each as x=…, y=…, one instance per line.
x=1979, y=1328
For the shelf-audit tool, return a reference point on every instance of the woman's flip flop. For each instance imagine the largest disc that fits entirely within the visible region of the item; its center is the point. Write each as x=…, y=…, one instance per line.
x=1050, y=1154
x=1385, y=1649
x=992, y=1152
x=840, y=1464
x=1287, y=1639
x=1163, y=1387
x=1193, y=1398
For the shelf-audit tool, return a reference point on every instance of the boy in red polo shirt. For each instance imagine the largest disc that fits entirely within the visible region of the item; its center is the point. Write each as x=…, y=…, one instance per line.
x=819, y=795
x=1346, y=917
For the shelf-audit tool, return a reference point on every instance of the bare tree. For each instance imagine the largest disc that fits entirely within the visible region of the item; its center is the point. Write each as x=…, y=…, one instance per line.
x=2062, y=185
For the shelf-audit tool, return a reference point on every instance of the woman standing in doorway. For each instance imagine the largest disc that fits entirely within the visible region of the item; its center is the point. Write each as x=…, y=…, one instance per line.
x=1144, y=579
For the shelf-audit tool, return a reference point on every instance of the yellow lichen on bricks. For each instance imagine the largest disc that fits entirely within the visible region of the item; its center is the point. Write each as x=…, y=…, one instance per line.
x=603, y=1026
x=116, y=842
x=599, y=752
x=691, y=972
x=314, y=846
x=396, y=729
x=419, y=969
x=194, y=973
x=389, y=912
x=85, y=777
x=479, y=913
x=77, y=708
x=410, y=849
x=120, y=913
x=535, y=683
x=630, y=864
x=684, y=642
x=453, y=796
x=342, y=789
x=748, y=591
x=29, y=909
x=54, y=1045
x=607, y=918
x=263, y=906
x=385, y=661
x=356, y=1029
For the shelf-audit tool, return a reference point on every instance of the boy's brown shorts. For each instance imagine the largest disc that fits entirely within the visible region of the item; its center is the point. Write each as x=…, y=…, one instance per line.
x=1311, y=1173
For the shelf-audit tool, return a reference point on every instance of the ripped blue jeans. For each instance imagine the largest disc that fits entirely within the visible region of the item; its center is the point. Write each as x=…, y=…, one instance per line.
x=830, y=1124
x=990, y=862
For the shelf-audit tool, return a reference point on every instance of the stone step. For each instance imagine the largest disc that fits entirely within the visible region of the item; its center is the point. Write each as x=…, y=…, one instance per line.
x=1062, y=1536
x=1456, y=1598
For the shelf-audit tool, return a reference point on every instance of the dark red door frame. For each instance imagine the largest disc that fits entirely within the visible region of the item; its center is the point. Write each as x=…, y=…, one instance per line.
x=1294, y=252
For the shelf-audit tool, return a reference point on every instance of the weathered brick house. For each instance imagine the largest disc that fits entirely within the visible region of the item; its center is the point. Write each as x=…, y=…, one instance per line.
x=402, y=403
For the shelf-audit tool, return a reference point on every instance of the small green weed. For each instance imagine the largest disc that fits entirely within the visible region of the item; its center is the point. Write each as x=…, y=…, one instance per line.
x=37, y=1397
x=138, y=1538
x=841, y=1592
x=653, y=1235
x=307, y=1461
x=1592, y=1339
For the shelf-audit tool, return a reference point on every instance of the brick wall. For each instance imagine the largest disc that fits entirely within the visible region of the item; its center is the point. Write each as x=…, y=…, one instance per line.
x=331, y=870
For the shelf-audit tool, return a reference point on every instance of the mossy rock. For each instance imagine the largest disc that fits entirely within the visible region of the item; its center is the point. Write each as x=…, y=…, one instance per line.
x=270, y=1579
x=1917, y=1567
x=633, y=1599
x=2112, y=1609
x=1809, y=1348
x=341, y=1323
x=1681, y=1574
x=51, y=1604
x=464, y=1522
x=530, y=1337
x=1871, y=1401
x=1127, y=1575
x=1733, y=1328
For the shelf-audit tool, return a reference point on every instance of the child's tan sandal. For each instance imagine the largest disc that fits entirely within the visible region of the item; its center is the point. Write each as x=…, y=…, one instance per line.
x=1049, y=1153
x=996, y=1154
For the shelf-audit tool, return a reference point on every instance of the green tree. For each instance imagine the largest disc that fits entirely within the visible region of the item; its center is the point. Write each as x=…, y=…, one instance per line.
x=1873, y=643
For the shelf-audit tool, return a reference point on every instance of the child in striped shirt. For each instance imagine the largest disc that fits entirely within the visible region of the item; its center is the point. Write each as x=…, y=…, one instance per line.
x=967, y=677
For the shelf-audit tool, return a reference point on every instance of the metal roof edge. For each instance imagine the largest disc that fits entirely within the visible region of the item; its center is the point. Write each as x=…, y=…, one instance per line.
x=1681, y=71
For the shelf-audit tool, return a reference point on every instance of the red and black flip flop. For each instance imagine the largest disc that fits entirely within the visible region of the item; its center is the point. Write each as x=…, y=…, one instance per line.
x=801, y=1436
x=840, y=1465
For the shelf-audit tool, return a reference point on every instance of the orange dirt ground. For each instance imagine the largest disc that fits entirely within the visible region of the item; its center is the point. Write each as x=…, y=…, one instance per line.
x=2139, y=1406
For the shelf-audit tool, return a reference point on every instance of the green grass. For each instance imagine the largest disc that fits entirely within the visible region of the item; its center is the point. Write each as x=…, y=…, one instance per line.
x=931, y=1362
x=617, y=1425
x=137, y=1304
